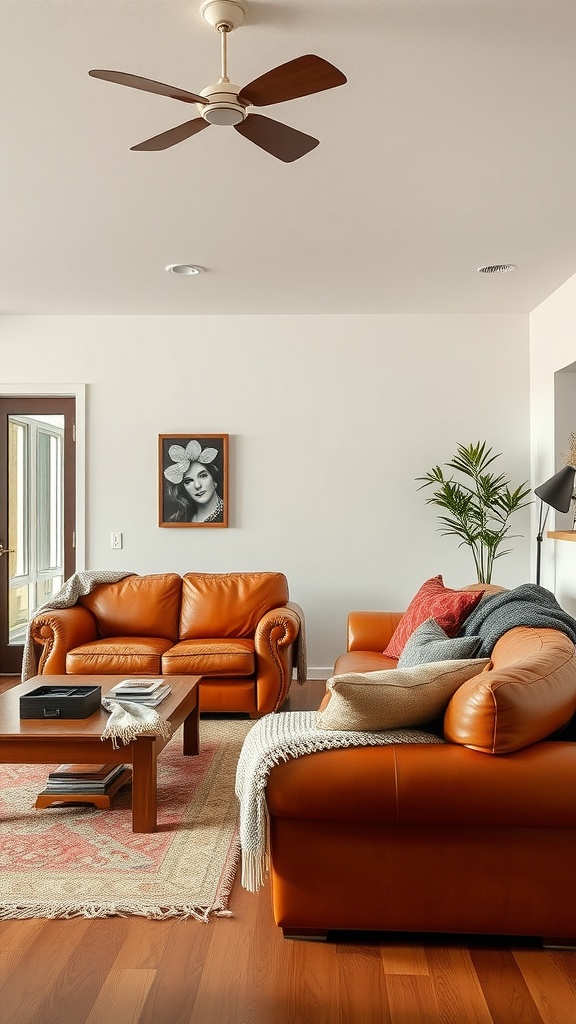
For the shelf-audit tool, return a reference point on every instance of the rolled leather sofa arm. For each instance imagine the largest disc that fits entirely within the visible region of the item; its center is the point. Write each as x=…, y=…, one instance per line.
x=276, y=650
x=371, y=631
x=59, y=630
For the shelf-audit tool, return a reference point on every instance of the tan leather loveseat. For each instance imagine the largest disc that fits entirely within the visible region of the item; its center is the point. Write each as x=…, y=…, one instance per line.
x=239, y=631
x=477, y=835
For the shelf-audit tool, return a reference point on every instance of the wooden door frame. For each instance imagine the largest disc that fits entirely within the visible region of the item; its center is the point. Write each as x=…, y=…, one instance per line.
x=77, y=391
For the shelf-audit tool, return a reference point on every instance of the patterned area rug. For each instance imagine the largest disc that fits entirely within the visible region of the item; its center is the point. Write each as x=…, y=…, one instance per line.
x=78, y=861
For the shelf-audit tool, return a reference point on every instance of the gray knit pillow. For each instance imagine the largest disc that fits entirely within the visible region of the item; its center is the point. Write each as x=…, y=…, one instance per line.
x=430, y=643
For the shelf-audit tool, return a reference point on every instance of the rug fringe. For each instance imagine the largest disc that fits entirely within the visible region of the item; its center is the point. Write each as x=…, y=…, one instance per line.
x=21, y=912
x=158, y=878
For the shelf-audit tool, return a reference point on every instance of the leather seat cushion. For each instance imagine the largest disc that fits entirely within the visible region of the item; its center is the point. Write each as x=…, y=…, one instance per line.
x=363, y=661
x=210, y=658
x=129, y=655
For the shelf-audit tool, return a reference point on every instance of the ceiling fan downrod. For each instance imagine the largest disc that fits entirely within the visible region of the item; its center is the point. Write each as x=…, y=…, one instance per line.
x=223, y=30
x=222, y=104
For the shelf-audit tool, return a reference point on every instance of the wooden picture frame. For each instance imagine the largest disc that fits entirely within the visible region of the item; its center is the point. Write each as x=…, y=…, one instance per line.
x=192, y=480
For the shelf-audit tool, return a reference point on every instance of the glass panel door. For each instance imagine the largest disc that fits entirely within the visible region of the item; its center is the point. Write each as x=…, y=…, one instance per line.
x=37, y=523
x=36, y=520
x=18, y=517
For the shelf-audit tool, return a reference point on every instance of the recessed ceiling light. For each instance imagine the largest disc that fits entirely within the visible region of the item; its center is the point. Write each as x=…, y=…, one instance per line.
x=496, y=268
x=186, y=269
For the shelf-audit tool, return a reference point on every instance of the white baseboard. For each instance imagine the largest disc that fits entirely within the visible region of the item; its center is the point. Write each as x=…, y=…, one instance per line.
x=317, y=673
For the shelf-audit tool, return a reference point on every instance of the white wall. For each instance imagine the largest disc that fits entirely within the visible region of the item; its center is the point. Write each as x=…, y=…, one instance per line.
x=552, y=348
x=330, y=419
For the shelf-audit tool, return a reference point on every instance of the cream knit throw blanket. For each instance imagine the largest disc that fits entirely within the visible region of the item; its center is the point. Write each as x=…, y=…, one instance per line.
x=129, y=720
x=77, y=585
x=278, y=737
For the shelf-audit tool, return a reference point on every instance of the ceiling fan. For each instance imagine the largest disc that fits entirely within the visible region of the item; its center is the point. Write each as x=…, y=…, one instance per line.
x=226, y=104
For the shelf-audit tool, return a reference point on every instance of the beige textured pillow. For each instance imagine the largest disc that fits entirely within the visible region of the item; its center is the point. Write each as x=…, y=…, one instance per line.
x=394, y=698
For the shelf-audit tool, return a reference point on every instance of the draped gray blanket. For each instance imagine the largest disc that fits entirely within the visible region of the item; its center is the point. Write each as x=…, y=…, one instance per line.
x=526, y=605
x=77, y=585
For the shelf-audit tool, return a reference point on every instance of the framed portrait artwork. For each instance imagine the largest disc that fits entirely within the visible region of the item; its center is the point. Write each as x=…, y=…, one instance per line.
x=193, y=479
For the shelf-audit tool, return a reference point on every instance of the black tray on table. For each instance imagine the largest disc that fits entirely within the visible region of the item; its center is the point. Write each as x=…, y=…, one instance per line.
x=61, y=702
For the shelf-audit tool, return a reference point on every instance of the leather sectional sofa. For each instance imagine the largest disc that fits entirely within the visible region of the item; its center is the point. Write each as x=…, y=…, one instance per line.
x=474, y=835
x=239, y=631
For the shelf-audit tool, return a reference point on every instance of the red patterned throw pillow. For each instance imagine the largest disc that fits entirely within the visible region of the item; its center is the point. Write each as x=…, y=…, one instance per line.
x=433, y=601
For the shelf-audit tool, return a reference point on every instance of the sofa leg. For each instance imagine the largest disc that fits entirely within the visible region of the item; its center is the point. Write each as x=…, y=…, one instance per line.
x=255, y=715
x=558, y=942
x=305, y=934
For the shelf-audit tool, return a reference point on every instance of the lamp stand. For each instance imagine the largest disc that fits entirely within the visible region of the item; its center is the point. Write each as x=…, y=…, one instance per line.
x=541, y=524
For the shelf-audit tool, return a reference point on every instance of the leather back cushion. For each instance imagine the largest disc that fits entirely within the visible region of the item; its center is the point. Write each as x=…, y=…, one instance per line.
x=228, y=604
x=526, y=693
x=137, y=606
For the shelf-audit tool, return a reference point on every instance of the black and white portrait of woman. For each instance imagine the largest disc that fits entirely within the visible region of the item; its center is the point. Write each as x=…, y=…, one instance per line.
x=193, y=480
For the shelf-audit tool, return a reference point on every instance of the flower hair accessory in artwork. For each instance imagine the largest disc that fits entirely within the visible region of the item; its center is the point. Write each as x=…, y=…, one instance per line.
x=184, y=457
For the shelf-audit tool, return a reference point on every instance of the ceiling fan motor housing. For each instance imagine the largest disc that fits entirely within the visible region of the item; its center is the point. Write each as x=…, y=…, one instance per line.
x=222, y=106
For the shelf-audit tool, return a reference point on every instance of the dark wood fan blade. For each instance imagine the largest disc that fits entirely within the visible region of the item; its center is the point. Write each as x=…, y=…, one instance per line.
x=299, y=77
x=172, y=136
x=148, y=85
x=276, y=138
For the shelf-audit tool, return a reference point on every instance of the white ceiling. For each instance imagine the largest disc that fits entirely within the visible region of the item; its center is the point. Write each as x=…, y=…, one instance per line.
x=452, y=145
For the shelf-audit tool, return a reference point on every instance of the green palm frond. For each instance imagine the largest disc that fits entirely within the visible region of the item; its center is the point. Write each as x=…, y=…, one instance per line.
x=477, y=508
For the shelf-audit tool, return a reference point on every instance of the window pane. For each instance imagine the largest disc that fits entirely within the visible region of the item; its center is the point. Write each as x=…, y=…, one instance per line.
x=45, y=589
x=17, y=614
x=49, y=501
x=56, y=501
x=17, y=489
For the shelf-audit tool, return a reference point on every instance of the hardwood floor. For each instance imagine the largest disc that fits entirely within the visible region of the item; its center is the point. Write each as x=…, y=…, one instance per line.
x=242, y=971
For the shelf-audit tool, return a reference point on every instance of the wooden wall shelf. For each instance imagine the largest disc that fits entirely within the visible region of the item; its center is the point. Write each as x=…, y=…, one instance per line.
x=562, y=534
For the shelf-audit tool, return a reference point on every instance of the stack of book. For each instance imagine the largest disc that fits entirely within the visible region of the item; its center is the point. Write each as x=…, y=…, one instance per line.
x=83, y=778
x=149, y=692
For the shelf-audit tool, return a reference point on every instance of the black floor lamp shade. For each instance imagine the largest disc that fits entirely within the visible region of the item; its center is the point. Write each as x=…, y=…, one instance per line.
x=555, y=493
x=558, y=490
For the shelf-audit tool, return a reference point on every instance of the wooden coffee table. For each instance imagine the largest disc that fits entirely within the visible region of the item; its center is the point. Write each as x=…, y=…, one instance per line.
x=78, y=741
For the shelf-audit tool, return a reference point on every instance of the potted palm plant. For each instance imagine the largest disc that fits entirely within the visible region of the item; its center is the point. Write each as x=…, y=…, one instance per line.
x=477, y=506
